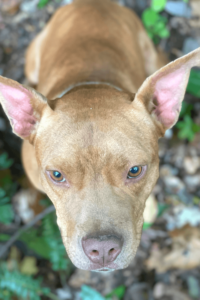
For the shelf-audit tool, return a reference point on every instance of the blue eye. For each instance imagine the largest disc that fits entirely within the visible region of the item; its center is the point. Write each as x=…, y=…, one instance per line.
x=57, y=176
x=134, y=172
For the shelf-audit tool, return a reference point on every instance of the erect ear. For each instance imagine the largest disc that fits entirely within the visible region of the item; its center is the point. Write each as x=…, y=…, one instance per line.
x=23, y=106
x=162, y=93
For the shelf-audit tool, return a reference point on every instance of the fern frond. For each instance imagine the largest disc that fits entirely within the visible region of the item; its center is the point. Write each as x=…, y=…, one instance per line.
x=15, y=283
x=51, y=234
x=21, y=285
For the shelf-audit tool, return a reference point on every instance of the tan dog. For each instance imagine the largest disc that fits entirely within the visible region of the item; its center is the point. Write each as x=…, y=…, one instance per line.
x=90, y=143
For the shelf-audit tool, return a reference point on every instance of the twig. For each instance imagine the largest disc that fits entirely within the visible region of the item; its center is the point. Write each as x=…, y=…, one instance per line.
x=40, y=216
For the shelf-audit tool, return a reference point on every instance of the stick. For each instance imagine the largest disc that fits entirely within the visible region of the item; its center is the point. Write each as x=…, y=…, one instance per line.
x=40, y=216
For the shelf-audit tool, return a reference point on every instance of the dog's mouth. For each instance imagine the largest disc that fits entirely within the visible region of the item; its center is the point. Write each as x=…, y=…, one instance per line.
x=103, y=270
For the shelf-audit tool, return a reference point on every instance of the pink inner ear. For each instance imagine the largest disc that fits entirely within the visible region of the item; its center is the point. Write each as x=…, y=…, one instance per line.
x=19, y=109
x=168, y=93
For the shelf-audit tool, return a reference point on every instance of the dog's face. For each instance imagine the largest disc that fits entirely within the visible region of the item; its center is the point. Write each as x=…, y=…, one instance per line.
x=97, y=153
x=93, y=139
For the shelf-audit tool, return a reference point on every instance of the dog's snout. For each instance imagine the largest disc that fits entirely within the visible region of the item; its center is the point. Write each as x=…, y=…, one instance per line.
x=102, y=249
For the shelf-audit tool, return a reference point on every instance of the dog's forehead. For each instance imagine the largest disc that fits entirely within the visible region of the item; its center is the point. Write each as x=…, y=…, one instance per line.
x=96, y=124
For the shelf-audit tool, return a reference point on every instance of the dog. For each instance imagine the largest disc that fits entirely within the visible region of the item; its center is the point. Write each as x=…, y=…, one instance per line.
x=91, y=130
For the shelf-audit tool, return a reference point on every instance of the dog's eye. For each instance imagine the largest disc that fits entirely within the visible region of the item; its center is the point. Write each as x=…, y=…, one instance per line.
x=57, y=176
x=134, y=172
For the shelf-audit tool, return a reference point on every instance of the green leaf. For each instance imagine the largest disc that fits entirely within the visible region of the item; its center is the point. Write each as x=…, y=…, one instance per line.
x=149, y=17
x=5, y=294
x=8, y=185
x=186, y=109
x=195, y=128
x=164, y=33
x=187, y=128
x=119, y=292
x=155, y=25
x=146, y=225
x=47, y=242
x=193, y=287
x=150, y=34
x=5, y=163
x=162, y=208
x=6, y=214
x=36, y=243
x=160, y=25
x=4, y=237
x=87, y=293
x=2, y=193
x=158, y=5
x=193, y=86
x=4, y=201
x=196, y=200
x=23, y=286
x=42, y=3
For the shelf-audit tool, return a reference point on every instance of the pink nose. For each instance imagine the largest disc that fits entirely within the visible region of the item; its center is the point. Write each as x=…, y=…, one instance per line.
x=102, y=249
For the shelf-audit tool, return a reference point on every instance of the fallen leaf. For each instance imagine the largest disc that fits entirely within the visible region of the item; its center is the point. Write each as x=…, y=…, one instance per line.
x=151, y=210
x=185, y=252
x=87, y=293
x=28, y=266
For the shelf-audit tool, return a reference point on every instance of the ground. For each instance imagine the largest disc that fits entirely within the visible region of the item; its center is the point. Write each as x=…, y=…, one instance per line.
x=167, y=264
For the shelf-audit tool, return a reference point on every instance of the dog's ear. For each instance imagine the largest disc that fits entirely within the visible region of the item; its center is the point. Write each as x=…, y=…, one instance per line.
x=162, y=93
x=23, y=106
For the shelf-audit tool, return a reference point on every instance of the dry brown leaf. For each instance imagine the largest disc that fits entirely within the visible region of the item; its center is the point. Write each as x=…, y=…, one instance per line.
x=185, y=252
x=9, y=6
x=195, y=5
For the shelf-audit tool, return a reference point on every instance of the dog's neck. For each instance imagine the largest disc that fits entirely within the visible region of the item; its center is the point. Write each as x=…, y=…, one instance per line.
x=69, y=88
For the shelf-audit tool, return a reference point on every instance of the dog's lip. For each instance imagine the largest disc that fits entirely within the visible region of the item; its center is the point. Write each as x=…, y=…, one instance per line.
x=98, y=268
x=103, y=270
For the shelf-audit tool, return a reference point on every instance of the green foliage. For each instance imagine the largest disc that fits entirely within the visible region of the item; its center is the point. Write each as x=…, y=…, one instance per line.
x=6, y=210
x=162, y=208
x=146, y=225
x=187, y=127
x=88, y=293
x=4, y=237
x=15, y=283
x=154, y=23
x=5, y=162
x=42, y=3
x=119, y=292
x=51, y=234
x=186, y=109
x=193, y=85
x=47, y=242
x=8, y=188
x=196, y=200
x=158, y=5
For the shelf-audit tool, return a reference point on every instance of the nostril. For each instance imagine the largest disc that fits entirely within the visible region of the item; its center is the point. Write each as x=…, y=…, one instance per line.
x=112, y=251
x=94, y=253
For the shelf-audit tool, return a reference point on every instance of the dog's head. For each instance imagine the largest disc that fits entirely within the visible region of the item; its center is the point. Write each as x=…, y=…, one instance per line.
x=97, y=152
